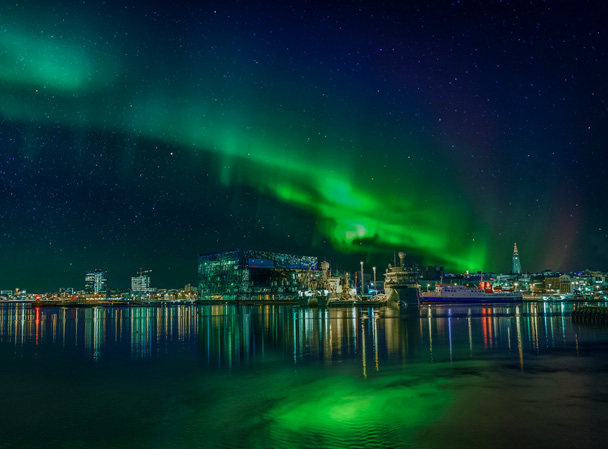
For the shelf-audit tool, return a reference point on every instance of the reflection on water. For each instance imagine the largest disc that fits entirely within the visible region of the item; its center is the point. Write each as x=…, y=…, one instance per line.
x=230, y=335
x=272, y=376
x=141, y=330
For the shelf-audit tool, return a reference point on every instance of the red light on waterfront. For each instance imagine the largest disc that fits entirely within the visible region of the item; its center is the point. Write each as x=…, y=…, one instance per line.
x=38, y=297
x=37, y=323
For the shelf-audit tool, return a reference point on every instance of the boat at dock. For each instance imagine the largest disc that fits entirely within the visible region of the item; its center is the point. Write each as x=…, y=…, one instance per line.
x=315, y=291
x=401, y=285
x=329, y=291
x=446, y=293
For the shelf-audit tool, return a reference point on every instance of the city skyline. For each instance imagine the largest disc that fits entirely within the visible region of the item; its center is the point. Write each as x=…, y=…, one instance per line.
x=96, y=280
x=144, y=134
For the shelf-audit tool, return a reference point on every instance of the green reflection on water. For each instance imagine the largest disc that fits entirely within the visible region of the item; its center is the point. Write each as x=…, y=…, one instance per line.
x=282, y=377
x=341, y=410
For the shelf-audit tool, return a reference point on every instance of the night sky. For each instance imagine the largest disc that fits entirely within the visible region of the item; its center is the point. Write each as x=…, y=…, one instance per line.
x=141, y=135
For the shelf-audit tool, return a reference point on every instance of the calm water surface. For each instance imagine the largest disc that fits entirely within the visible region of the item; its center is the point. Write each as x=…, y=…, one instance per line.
x=284, y=377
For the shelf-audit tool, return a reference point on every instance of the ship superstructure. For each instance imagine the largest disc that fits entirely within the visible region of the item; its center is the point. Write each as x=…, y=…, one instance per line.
x=325, y=290
x=401, y=285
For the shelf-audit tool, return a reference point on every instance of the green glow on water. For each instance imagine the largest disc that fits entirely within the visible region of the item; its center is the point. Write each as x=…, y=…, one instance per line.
x=226, y=377
x=341, y=410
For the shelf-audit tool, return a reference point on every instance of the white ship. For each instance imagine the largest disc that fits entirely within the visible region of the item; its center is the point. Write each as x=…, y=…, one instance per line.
x=401, y=285
x=460, y=293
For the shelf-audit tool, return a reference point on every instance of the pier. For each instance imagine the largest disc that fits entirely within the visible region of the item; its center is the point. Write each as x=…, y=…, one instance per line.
x=590, y=315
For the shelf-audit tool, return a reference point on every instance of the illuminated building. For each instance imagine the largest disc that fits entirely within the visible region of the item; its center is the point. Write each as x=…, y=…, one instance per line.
x=65, y=292
x=552, y=283
x=251, y=274
x=140, y=284
x=566, y=283
x=96, y=281
x=516, y=266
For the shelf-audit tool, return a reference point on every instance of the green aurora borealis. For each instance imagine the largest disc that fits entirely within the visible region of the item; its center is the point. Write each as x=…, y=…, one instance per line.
x=382, y=141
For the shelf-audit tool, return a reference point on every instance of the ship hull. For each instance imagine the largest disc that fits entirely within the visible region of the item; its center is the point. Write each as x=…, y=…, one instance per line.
x=313, y=301
x=490, y=299
x=403, y=297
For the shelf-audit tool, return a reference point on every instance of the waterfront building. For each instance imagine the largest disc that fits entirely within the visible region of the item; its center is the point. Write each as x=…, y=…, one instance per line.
x=473, y=279
x=433, y=272
x=140, y=284
x=516, y=265
x=119, y=293
x=505, y=280
x=552, y=283
x=65, y=292
x=524, y=281
x=591, y=281
x=566, y=284
x=536, y=284
x=96, y=281
x=251, y=274
x=454, y=279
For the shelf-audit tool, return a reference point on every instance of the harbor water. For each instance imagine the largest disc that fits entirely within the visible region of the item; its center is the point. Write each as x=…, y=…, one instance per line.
x=229, y=376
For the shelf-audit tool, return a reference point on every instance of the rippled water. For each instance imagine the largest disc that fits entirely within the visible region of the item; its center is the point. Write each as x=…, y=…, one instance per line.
x=277, y=376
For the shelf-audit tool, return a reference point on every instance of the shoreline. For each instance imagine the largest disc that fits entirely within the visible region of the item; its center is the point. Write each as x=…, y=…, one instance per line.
x=255, y=302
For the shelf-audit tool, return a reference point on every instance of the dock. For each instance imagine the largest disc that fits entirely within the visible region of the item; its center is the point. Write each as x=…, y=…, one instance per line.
x=590, y=315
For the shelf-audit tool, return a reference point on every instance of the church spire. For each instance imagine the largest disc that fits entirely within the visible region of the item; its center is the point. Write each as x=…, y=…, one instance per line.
x=516, y=266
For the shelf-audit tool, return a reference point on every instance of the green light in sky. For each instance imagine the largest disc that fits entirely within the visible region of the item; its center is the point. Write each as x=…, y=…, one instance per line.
x=349, y=215
x=351, y=210
x=45, y=62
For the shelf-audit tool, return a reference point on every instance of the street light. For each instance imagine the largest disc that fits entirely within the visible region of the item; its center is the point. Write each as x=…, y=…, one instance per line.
x=362, y=280
x=375, y=286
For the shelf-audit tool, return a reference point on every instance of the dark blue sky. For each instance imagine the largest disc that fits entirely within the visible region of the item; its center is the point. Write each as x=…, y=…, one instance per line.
x=140, y=135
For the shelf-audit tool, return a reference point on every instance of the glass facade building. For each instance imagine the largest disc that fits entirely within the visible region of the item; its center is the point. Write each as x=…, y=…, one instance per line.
x=248, y=274
x=96, y=281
